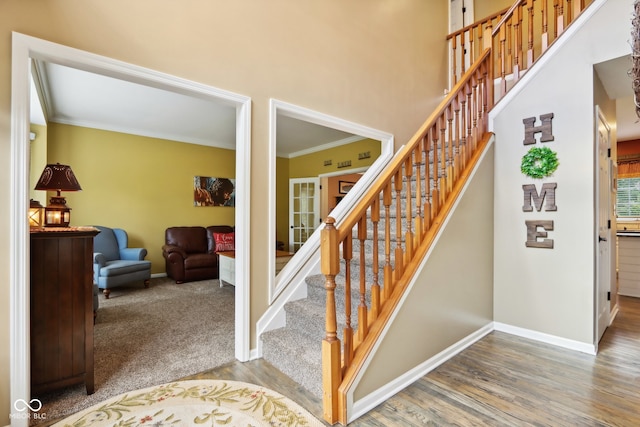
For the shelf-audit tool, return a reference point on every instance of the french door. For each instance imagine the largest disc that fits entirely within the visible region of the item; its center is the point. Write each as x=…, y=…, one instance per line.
x=304, y=210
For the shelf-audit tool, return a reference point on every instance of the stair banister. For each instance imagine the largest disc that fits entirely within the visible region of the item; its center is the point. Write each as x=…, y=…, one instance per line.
x=508, y=14
x=448, y=139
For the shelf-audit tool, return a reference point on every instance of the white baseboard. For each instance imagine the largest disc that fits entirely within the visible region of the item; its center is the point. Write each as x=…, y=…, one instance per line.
x=546, y=338
x=254, y=354
x=372, y=400
x=158, y=275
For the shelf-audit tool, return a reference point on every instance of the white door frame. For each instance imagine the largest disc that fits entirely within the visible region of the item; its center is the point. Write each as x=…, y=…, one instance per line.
x=24, y=48
x=458, y=19
x=603, y=233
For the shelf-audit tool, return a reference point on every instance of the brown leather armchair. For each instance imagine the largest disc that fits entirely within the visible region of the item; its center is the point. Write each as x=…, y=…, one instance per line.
x=190, y=252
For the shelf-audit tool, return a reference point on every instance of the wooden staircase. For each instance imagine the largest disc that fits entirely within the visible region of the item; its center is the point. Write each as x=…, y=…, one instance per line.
x=371, y=255
x=437, y=160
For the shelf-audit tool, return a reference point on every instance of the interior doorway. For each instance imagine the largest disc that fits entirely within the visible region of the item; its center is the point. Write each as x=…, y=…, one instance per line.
x=24, y=50
x=335, y=186
x=461, y=14
x=604, y=233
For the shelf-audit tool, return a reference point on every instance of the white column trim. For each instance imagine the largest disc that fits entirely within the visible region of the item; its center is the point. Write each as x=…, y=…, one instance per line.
x=24, y=48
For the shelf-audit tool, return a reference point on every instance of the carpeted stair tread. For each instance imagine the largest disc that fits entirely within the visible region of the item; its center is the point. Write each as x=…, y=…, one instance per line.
x=302, y=362
x=317, y=292
x=308, y=317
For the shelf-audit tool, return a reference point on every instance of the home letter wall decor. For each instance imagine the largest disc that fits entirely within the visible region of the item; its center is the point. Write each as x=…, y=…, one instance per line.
x=533, y=234
x=539, y=163
x=545, y=128
x=548, y=193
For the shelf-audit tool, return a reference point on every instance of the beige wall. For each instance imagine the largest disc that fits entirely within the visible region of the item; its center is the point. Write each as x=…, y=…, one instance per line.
x=457, y=278
x=380, y=64
x=484, y=8
x=551, y=291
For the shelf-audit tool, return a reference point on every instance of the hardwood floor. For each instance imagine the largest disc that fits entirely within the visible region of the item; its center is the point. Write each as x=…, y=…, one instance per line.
x=503, y=380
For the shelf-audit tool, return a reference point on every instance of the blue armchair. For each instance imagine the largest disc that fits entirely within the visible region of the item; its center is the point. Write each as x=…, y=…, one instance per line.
x=114, y=264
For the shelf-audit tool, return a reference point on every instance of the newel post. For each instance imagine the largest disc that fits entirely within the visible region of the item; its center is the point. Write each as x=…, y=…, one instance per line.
x=331, y=360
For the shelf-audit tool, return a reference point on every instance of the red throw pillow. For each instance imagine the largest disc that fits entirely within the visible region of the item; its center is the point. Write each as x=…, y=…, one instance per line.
x=225, y=241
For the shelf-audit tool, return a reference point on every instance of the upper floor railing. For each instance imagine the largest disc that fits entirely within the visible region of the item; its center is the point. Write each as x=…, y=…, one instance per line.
x=517, y=36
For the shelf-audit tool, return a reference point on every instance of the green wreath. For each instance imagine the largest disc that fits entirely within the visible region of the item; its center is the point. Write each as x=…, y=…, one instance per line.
x=539, y=162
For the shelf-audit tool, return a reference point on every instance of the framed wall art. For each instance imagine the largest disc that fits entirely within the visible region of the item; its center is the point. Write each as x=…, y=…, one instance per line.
x=345, y=186
x=210, y=191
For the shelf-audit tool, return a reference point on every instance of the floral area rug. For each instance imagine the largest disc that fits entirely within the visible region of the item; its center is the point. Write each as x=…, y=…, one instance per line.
x=197, y=402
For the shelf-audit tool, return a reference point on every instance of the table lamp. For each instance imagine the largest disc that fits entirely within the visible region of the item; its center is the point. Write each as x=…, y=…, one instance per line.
x=57, y=177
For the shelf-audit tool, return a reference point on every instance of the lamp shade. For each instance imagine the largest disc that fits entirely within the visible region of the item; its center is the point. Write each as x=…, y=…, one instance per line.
x=57, y=177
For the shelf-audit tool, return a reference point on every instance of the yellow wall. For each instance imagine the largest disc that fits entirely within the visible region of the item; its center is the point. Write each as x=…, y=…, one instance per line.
x=140, y=184
x=282, y=200
x=380, y=64
x=313, y=164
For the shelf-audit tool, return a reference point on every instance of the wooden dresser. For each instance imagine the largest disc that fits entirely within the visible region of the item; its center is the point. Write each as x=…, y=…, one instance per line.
x=61, y=308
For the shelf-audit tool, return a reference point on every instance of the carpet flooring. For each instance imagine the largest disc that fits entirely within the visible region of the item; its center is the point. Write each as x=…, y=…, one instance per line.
x=145, y=337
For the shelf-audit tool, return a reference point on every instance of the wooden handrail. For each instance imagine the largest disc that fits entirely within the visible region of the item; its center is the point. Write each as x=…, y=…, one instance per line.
x=417, y=190
x=507, y=16
x=478, y=24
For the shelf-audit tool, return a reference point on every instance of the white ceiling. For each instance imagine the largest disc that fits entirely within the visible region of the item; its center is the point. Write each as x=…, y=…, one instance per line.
x=614, y=75
x=81, y=98
x=71, y=96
